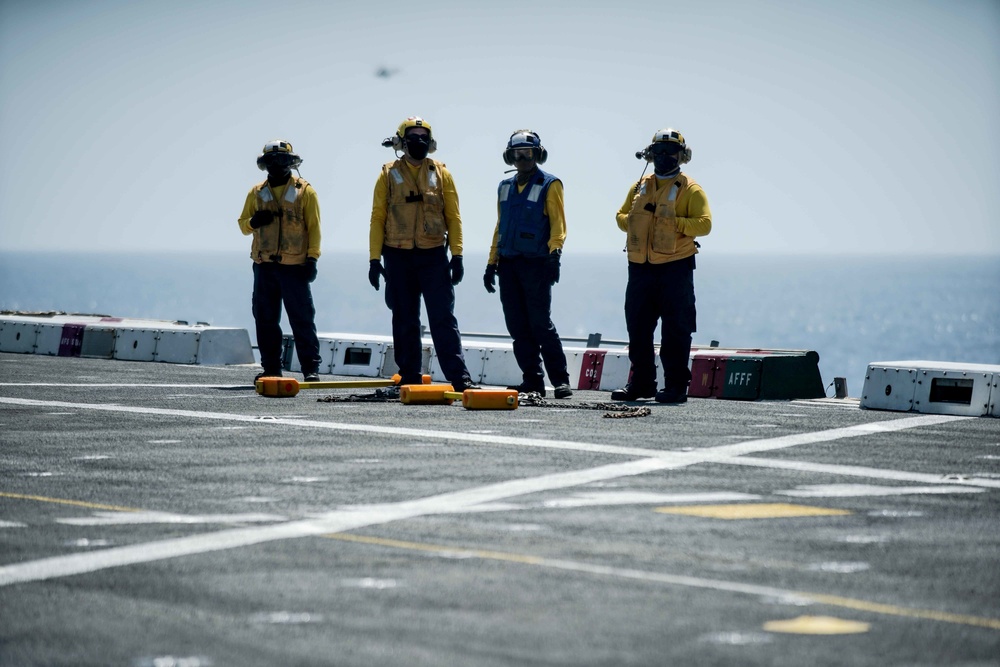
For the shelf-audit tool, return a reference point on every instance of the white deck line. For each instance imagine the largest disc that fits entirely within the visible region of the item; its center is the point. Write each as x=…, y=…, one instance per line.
x=684, y=458
x=863, y=471
x=457, y=501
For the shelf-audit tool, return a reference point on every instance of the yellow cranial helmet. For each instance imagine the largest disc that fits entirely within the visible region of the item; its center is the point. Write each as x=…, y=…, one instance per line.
x=667, y=136
x=398, y=141
x=413, y=121
x=278, y=152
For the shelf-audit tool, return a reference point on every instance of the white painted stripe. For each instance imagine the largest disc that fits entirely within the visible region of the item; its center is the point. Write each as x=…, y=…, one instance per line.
x=609, y=498
x=357, y=517
x=861, y=471
x=870, y=490
x=333, y=522
x=782, y=442
x=714, y=454
x=131, y=518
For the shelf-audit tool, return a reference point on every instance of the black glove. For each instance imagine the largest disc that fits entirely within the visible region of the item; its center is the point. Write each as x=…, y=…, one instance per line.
x=310, y=268
x=261, y=218
x=457, y=271
x=374, y=269
x=552, y=267
x=490, y=278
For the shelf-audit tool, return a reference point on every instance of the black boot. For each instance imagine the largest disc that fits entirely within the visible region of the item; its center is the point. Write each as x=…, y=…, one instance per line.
x=633, y=392
x=527, y=388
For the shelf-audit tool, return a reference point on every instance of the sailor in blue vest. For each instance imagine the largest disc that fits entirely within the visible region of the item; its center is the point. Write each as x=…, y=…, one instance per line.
x=526, y=251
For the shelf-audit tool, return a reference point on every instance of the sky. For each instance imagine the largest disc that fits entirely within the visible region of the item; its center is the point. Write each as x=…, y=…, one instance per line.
x=817, y=127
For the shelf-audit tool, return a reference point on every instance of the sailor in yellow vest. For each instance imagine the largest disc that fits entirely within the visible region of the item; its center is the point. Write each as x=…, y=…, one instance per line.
x=662, y=215
x=415, y=219
x=282, y=214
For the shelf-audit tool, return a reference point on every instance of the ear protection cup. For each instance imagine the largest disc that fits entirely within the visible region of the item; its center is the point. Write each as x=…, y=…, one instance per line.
x=507, y=158
x=686, y=156
x=543, y=155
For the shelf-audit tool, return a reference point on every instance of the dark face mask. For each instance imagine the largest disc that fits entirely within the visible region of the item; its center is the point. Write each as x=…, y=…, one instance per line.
x=666, y=159
x=278, y=174
x=417, y=146
x=666, y=164
x=279, y=168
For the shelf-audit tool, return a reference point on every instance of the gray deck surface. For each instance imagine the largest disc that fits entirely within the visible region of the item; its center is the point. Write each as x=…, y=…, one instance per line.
x=153, y=514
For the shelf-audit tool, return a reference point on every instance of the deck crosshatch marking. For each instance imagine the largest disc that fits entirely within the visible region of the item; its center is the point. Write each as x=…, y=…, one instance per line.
x=446, y=503
x=611, y=564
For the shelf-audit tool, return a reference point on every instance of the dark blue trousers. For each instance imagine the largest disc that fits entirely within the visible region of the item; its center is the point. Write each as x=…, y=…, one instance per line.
x=274, y=284
x=410, y=275
x=526, y=297
x=661, y=293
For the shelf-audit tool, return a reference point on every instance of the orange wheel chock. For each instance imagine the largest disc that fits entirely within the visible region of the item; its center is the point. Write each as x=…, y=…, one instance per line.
x=472, y=399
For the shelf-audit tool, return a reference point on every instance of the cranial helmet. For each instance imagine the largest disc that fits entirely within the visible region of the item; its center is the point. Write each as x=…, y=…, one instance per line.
x=396, y=141
x=525, y=139
x=667, y=136
x=278, y=152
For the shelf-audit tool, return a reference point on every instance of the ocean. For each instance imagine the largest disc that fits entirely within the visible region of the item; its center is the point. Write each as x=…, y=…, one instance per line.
x=851, y=310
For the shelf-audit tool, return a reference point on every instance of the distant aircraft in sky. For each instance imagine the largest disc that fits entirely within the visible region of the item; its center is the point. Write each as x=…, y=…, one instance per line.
x=385, y=72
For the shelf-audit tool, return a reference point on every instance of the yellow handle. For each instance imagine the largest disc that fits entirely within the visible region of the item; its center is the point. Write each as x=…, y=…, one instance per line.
x=346, y=384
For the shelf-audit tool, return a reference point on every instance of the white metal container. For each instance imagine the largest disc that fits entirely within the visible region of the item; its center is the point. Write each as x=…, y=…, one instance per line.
x=932, y=387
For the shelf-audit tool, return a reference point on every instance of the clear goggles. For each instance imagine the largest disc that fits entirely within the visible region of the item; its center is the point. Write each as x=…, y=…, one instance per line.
x=522, y=153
